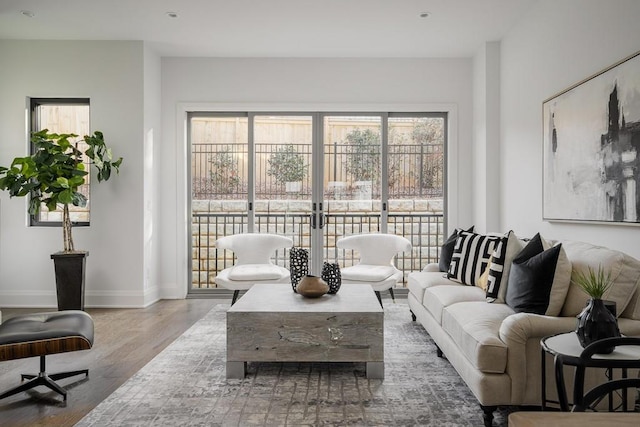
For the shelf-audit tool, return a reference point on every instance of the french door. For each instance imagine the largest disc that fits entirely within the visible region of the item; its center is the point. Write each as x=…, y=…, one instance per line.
x=314, y=177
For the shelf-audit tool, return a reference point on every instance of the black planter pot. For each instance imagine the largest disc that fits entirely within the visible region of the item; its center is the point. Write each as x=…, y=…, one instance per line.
x=597, y=322
x=70, y=272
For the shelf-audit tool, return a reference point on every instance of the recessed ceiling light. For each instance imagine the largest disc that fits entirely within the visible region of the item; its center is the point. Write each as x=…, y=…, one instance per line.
x=425, y=14
x=27, y=13
x=172, y=14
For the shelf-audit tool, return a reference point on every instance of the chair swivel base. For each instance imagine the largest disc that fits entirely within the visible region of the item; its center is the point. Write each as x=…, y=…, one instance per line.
x=45, y=380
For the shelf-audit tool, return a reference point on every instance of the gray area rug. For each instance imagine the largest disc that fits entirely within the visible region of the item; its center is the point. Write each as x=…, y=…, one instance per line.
x=185, y=385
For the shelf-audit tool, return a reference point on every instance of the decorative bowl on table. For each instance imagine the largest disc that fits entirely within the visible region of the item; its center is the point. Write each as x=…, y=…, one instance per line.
x=312, y=287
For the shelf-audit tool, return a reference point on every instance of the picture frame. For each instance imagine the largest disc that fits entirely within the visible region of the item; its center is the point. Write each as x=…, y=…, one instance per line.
x=591, y=148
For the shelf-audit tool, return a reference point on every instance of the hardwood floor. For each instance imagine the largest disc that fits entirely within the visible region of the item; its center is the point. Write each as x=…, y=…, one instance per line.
x=125, y=341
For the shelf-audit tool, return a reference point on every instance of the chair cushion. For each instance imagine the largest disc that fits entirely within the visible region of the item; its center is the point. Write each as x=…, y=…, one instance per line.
x=368, y=273
x=40, y=334
x=256, y=272
x=223, y=280
x=475, y=327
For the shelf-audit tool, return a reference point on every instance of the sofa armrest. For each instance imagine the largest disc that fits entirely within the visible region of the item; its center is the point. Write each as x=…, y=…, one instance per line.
x=431, y=267
x=522, y=332
x=519, y=327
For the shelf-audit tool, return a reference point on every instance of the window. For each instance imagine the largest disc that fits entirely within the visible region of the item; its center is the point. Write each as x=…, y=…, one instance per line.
x=62, y=115
x=315, y=177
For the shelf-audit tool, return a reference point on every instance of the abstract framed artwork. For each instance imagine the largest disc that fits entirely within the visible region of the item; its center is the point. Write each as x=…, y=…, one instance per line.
x=591, y=148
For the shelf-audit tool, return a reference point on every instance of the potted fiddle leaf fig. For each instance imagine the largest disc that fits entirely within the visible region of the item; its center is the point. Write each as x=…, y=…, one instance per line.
x=52, y=175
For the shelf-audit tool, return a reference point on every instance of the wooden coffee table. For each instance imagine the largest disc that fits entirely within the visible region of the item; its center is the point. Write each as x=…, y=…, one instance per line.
x=271, y=323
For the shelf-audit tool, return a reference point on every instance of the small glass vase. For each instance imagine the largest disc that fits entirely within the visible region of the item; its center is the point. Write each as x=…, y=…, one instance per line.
x=596, y=322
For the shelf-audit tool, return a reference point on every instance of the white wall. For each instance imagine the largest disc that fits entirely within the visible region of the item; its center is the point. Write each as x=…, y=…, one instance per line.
x=298, y=83
x=557, y=44
x=111, y=75
x=486, y=138
x=152, y=142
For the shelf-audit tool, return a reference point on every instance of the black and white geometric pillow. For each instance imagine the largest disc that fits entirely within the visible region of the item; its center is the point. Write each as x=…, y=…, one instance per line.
x=446, y=251
x=496, y=269
x=471, y=256
x=500, y=266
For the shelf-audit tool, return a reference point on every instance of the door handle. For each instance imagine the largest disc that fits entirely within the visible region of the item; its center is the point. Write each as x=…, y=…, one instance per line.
x=313, y=221
x=321, y=220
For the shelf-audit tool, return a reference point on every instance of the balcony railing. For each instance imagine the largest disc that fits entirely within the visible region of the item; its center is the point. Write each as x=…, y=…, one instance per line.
x=424, y=231
x=219, y=171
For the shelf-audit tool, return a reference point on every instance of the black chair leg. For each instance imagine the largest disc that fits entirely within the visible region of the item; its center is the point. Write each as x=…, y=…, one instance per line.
x=43, y=379
x=235, y=296
x=379, y=298
x=392, y=296
x=62, y=375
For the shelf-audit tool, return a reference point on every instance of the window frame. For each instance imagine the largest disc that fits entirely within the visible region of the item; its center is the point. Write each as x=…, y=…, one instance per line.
x=34, y=126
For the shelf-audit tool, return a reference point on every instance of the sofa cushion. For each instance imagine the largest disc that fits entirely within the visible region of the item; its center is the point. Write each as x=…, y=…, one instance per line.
x=417, y=282
x=437, y=298
x=475, y=327
x=257, y=272
x=471, y=256
x=624, y=270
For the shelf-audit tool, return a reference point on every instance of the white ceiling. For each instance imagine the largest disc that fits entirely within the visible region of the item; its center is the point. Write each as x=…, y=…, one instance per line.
x=272, y=28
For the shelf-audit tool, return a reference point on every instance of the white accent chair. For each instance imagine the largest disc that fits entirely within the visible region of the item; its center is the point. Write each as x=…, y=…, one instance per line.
x=253, y=264
x=376, y=260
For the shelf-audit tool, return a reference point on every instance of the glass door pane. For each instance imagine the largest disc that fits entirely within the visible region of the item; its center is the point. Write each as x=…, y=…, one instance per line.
x=219, y=191
x=352, y=180
x=415, y=171
x=283, y=177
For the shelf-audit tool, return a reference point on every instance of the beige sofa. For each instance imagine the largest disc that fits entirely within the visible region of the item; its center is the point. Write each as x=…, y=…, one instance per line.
x=495, y=350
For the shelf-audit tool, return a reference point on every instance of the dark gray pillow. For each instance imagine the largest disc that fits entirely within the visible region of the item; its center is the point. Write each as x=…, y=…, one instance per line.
x=531, y=277
x=446, y=251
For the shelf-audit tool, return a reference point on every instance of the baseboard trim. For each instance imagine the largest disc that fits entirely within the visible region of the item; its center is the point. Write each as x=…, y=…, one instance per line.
x=122, y=299
x=95, y=299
